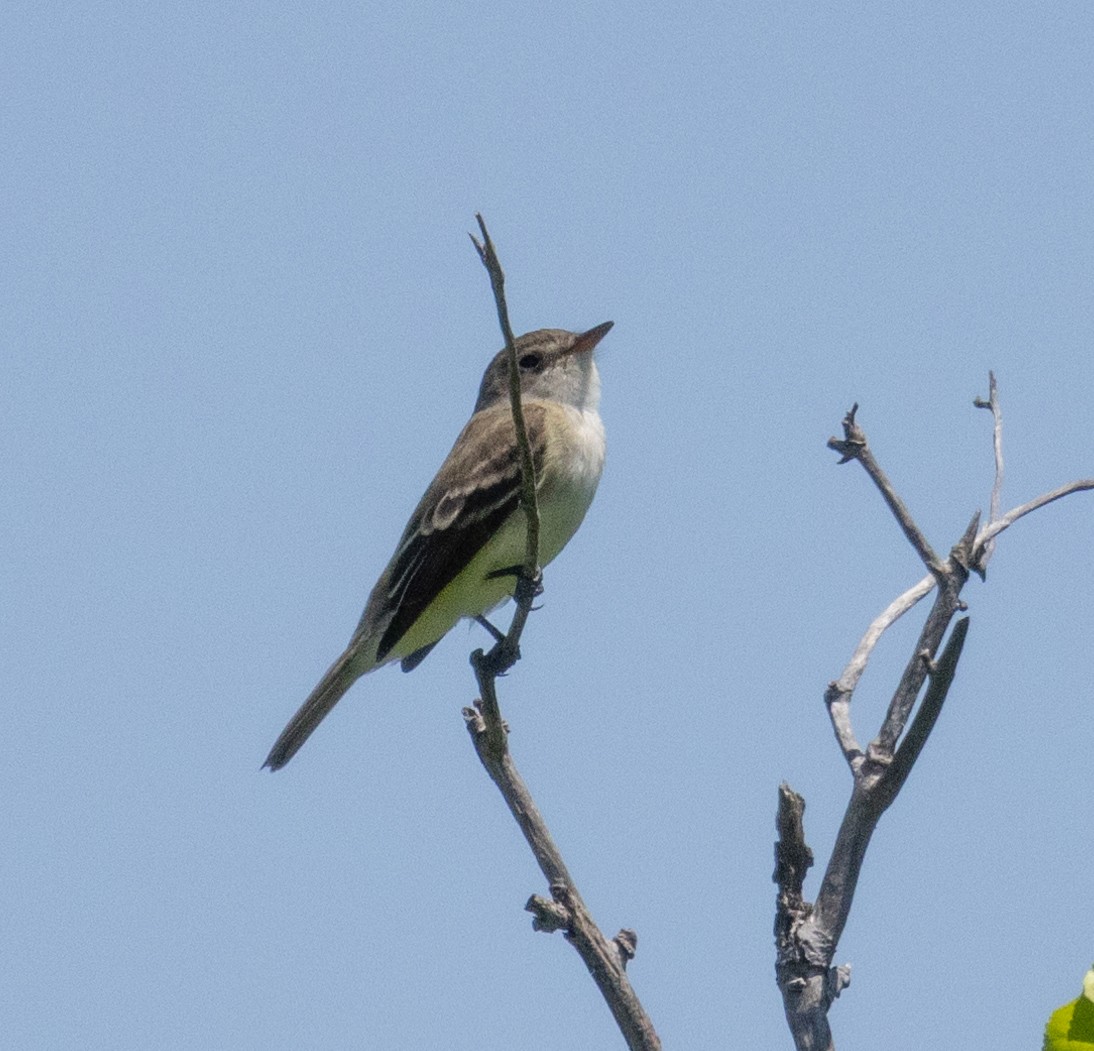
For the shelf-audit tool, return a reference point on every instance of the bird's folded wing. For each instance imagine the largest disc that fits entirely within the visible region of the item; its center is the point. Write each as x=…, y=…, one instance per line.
x=476, y=489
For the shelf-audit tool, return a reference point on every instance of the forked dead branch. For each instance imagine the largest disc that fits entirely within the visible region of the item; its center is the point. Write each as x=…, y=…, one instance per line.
x=807, y=934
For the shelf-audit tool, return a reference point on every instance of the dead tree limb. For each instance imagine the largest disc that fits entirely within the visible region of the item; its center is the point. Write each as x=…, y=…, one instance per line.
x=807, y=934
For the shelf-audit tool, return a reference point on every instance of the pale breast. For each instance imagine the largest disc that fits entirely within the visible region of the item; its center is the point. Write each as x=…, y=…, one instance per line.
x=570, y=475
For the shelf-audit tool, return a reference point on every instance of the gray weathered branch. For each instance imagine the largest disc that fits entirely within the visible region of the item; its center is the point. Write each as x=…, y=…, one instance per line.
x=807, y=934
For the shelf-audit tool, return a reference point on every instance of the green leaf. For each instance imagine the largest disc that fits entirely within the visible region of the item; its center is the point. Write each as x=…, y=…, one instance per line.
x=1071, y=1027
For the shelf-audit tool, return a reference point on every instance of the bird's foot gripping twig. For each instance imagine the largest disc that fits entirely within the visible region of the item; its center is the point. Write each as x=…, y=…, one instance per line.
x=506, y=649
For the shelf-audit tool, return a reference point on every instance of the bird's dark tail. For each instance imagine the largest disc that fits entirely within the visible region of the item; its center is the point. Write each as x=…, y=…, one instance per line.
x=341, y=675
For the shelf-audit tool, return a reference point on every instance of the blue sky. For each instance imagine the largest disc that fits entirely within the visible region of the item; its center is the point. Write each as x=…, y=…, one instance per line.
x=242, y=324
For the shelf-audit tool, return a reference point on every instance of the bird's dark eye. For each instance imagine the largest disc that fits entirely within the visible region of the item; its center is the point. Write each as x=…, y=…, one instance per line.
x=530, y=361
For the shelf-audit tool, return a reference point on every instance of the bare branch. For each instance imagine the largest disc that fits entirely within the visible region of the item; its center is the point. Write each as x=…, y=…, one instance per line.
x=855, y=447
x=867, y=802
x=941, y=678
x=881, y=623
x=833, y=904
x=807, y=934
x=839, y=693
x=993, y=529
x=951, y=577
x=846, y=684
x=489, y=735
x=528, y=500
x=838, y=701
x=992, y=404
x=565, y=910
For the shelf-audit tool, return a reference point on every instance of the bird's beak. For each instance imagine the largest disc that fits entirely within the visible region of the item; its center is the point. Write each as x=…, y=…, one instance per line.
x=587, y=340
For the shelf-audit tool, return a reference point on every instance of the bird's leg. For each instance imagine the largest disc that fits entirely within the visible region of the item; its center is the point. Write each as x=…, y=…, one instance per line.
x=506, y=650
x=535, y=582
x=497, y=633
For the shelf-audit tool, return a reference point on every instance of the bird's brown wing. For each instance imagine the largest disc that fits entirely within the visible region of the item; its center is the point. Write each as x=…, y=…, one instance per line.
x=476, y=489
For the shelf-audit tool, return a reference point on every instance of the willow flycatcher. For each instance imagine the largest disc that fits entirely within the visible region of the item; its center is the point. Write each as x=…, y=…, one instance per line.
x=463, y=547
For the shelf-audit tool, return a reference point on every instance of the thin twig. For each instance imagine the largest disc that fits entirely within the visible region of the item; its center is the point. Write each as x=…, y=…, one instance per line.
x=855, y=447
x=993, y=529
x=992, y=404
x=565, y=910
x=840, y=691
x=528, y=499
x=506, y=652
x=834, y=900
x=896, y=609
x=846, y=684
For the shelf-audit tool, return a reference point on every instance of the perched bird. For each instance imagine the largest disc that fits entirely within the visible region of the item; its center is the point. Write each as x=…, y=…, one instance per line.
x=464, y=544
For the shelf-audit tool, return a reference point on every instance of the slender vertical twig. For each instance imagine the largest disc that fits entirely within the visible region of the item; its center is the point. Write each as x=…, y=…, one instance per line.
x=992, y=403
x=564, y=910
x=489, y=257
